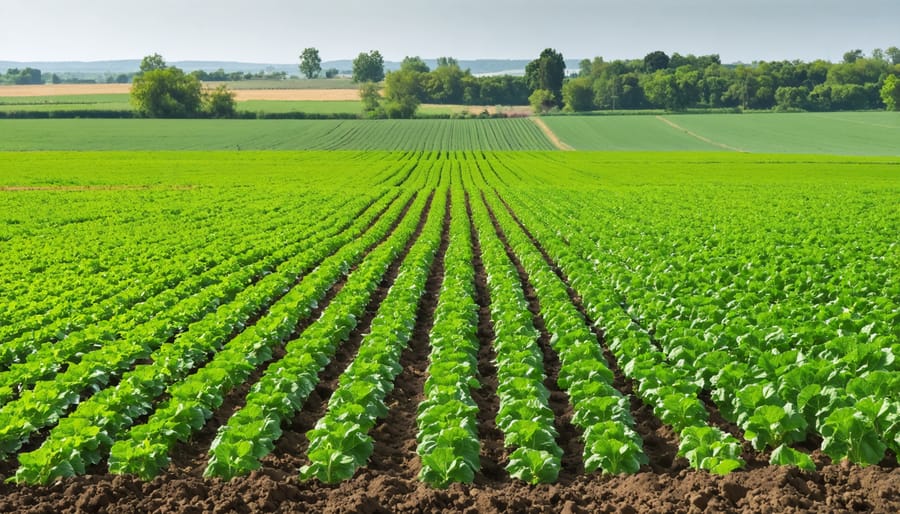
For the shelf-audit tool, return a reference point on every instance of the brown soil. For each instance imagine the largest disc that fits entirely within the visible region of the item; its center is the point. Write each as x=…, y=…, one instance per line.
x=275, y=488
x=395, y=436
x=494, y=456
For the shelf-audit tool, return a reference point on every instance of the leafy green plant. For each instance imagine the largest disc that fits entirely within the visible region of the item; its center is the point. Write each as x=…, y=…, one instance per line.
x=533, y=466
x=710, y=449
x=772, y=425
x=849, y=434
x=786, y=456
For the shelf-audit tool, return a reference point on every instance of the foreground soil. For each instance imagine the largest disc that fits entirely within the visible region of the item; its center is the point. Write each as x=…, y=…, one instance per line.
x=832, y=489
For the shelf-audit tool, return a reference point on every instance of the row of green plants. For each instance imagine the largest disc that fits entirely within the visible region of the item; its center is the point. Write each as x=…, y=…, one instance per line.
x=775, y=339
x=67, y=450
x=170, y=311
x=601, y=412
x=35, y=357
x=44, y=300
x=524, y=415
x=668, y=390
x=447, y=419
x=340, y=442
x=250, y=434
x=144, y=450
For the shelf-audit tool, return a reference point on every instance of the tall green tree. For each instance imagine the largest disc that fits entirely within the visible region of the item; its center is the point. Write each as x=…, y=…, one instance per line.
x=153, y=62
x=578, y=95
x=661, y=89
x=310, y=63
x=368, y=67
x=657, y=60
x=402, y=93
x=166, y=93
x=893, y=53
x=161, y=91
x=414, y=64
x=890, y=93
x=371, y=99
x=547, y=72
x=447, y=62
x=852, y=56
x=444, y=85
x=219, y=103
x=542, y=101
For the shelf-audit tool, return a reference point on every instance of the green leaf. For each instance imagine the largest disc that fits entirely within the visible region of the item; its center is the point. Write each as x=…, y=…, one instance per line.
x=443, y=466
x=787, y=456
x=533, y=466
x=848, y=434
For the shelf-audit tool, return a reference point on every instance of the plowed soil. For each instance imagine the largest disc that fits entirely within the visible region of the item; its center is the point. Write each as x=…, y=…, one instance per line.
x=656, y=488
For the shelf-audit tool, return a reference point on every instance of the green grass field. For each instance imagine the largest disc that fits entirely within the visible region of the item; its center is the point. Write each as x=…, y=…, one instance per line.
x=842, y=133
x=839, y=133
x=139, y=134
x=106, y=102
x=120, y=102
x=306, y=106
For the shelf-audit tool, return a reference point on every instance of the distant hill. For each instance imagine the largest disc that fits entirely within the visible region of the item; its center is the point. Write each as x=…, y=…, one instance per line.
x=103, y=68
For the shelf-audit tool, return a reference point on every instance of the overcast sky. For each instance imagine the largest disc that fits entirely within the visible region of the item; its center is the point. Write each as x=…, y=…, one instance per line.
x=274, y=31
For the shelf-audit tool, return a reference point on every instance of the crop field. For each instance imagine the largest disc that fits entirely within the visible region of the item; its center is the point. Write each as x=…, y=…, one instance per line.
x=106, y=102
x=834, y=133
x=456, y=330
x=158, y=134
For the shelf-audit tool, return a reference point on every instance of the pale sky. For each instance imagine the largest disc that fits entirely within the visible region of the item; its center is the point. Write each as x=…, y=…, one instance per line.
x=275, y=31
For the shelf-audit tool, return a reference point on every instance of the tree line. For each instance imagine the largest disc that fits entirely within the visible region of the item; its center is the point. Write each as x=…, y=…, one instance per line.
x=678, y=82
x=22, y=76
x=658, y=81
x=163, y=91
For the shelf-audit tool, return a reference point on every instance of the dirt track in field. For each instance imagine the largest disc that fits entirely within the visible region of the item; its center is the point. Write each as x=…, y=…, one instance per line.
x=557, y=142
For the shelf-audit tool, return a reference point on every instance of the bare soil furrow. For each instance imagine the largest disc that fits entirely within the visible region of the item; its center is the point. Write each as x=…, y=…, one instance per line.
x=493, y=452
x=395, y=436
